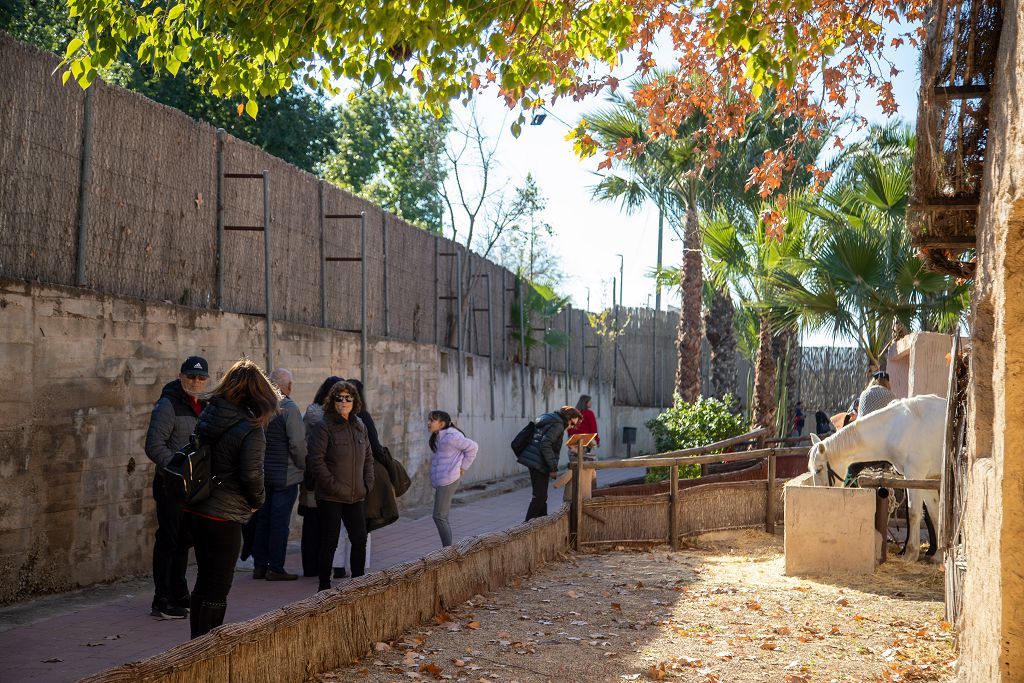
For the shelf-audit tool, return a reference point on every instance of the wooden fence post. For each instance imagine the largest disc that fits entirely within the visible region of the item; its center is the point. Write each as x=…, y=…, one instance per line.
x=769, y=515
x=576, y=509
x=673, y=509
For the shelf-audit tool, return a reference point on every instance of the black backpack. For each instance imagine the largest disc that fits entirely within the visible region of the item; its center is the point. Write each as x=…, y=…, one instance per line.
x=188, y=477
x=523, y=438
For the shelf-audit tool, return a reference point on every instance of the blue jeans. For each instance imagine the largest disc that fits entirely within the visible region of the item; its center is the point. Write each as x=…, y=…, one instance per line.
x=272, y=521
x=442, y=504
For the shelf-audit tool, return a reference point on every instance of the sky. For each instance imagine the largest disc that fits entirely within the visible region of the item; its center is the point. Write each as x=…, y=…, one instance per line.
x=589, y=234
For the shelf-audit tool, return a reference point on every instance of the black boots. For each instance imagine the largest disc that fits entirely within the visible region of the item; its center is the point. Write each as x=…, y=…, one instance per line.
x=205, y=616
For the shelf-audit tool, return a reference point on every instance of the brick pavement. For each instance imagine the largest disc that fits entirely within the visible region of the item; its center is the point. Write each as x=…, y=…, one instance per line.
x=96, y=628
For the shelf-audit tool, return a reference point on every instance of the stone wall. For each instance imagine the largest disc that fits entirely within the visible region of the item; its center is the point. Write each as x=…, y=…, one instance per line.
x=85, y=368
x=992, y=634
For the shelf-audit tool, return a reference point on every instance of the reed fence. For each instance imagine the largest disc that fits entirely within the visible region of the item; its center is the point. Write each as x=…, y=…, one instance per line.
x=329, y=629
x=665, y=517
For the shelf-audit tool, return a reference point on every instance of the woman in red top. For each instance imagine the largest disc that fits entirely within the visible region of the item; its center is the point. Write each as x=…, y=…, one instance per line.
x=588, y=425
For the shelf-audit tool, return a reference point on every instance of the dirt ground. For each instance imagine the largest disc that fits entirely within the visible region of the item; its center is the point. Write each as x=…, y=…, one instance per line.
x=719, y=610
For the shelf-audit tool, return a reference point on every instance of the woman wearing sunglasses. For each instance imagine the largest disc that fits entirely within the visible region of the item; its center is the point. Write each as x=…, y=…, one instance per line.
x=341, y=462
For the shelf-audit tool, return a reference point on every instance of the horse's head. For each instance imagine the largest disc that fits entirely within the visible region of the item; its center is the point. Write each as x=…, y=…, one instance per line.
x=817, y=461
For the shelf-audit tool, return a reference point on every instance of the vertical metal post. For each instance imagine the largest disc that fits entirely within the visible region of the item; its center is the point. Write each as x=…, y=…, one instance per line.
x=655, y=399
x=568, y=350
x=266, y=271
x=221, y=135
x=387, y=307
x=882, y=522
x=323, y=258
x=437, y=292
x=522, y=345
x=458, y=322
x=362, y=301
x=673, y=508
x=84, y=187
x=615, y=346
x=504, y=312
x=490, y=341
x=769, y=514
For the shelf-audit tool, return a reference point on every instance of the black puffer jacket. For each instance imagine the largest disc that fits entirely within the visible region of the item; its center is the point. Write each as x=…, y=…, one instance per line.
x=170, y=425
x=339, y=458
x=237, y=461
x=541, y=453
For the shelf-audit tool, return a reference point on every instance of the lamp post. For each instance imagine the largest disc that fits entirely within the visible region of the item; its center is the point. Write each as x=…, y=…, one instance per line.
x=622, y=263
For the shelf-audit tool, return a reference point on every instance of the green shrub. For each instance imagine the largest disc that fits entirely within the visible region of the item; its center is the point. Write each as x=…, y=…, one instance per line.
x=687, y=425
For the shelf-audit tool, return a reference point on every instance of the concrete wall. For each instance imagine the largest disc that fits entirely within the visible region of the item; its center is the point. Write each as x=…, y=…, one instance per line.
x=992, y=633
x=84, y=370
x=919, y=364
x=829, y=530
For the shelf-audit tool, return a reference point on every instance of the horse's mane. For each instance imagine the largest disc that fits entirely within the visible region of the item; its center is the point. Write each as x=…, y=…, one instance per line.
x=847, y=437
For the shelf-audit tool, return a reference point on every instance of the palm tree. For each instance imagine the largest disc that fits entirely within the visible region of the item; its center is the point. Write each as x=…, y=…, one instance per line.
x=863, y=278
x=666, y=173
x=743, y=254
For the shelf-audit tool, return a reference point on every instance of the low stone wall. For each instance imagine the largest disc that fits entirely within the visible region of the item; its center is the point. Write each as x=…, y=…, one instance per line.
x=331, y=628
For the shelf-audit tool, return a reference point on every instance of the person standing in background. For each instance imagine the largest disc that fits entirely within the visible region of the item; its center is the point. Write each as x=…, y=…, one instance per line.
x=283, y=469
x=588, y=421
x=341, y=462
x=453, y=453
x=171, y=425
x=307, y=499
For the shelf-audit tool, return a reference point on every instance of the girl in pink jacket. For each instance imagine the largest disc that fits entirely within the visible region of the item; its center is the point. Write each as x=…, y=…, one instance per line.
x=453, y=453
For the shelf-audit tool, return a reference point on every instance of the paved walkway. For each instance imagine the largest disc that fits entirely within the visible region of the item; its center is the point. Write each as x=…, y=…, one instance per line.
x=65, y=637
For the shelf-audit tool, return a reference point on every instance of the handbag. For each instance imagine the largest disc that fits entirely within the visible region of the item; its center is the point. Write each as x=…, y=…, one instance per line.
x=399, y=477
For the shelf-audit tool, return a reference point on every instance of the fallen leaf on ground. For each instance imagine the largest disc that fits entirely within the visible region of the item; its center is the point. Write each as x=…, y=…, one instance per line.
x=473, y=625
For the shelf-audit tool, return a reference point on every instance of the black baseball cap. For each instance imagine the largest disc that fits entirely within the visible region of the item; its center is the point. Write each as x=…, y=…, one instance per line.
x=881, y=374
x=195, y=365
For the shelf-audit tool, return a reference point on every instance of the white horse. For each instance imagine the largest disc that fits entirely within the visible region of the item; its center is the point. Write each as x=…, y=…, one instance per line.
x=907, y=433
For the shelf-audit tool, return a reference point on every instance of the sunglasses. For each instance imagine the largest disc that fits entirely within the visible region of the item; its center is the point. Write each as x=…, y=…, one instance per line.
x=342, y=398
x=196, y=377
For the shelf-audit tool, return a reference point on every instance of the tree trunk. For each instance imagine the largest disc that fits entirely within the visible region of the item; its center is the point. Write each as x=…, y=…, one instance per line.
x=689, y=332
x=718, y=330
x=785, y=351
x=764, y=408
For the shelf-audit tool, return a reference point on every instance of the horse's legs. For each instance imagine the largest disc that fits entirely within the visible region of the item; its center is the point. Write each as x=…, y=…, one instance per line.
x=931, y=501
x=915, y=504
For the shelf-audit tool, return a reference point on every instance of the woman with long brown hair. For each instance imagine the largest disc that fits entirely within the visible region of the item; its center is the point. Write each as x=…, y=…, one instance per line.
x=240, y=406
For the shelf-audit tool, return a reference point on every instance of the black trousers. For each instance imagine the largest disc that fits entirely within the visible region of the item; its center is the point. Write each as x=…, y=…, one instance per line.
x=216, y=546
x=539, y=503
x=170, y=549
x=332, y=516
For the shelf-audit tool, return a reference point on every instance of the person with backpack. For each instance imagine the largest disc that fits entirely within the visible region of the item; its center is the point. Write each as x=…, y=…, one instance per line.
x=231, y=427
x=341, y=462
x=540, y=455
x=453, y=453
x=173, y=420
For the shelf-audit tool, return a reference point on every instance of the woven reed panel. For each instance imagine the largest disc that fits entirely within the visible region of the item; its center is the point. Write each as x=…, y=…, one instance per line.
x=40, y=144
x=152, y=203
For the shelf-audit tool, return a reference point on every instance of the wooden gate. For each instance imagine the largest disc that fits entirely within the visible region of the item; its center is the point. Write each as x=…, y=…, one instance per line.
x=954, y=482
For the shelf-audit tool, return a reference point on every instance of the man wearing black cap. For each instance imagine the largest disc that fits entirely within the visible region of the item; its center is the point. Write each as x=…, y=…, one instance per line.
x=170, y=426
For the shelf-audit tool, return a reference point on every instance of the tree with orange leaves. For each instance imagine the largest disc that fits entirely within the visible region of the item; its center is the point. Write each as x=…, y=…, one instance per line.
x=815, y=55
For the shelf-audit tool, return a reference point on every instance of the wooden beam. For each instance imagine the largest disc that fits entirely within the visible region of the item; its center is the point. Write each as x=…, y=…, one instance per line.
x=769, y=506
x=899, y=483
x=668, y=461
x=945, y=93
x=673, y=508
x=940, y=242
